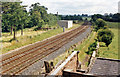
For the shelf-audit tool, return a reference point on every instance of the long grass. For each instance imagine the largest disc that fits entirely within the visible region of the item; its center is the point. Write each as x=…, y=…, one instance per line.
x=29, y=37
x=83, y=47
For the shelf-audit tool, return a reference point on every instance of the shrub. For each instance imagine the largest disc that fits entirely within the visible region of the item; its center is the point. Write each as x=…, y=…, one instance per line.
x=105, y=35
x=92, y=48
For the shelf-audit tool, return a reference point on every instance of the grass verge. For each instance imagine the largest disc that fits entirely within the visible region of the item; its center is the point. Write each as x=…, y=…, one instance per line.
x=82, y=47
x=29, y=38
x=111, y=51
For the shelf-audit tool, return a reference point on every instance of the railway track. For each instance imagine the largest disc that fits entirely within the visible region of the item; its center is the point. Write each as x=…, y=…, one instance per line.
x=16, y=62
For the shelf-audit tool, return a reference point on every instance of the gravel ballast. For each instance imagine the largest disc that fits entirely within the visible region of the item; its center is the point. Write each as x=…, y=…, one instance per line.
x=36, y=67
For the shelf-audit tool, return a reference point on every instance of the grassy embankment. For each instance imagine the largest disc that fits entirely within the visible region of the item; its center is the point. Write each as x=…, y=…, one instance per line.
x=82, y=47
x=104, y=52
x=112, y=51
x=29, y=37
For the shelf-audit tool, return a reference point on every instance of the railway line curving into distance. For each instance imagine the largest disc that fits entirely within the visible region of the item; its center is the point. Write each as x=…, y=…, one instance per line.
x=17, y=61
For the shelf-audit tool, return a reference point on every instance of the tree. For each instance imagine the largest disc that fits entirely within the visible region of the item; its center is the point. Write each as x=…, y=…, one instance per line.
x=38, y=14
x=105, y=35
x=107, y=17
x=23, y=18
x=52, y=19
x=12, y=15
x=36, y=19
x=100, y=24
x=96, y=16
x=6, y=16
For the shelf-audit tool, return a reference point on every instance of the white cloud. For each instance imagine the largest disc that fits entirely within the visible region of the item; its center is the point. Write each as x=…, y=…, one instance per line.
x=77, y=6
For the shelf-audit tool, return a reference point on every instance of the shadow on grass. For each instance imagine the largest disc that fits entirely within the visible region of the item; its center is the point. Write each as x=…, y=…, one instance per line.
x=102, y=45
x=10, y=40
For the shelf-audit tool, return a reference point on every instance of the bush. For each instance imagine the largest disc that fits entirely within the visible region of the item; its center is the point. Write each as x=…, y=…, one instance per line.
x=100, y=24
x=92, y=48
x=105, y=35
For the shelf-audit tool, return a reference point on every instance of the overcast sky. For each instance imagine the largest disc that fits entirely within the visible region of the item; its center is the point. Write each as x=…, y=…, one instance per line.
x=67, y=7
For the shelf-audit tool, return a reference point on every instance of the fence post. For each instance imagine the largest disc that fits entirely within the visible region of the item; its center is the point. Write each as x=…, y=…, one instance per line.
x=47, y=67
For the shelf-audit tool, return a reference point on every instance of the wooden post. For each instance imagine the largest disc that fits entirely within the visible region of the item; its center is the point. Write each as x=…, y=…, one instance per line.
x=77, y=63
x=63, y=29
x=51, y=65
x=47, y=67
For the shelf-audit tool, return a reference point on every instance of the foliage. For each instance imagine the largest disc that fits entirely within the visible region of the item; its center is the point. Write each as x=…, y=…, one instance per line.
x=72, y=17
x=29, y=37
x=105, y=35
x=113, y=51
x=36, y=14
x=100, y=24
x=52, y=19
x=92, y=48
x=107, y=17
x=13, y=13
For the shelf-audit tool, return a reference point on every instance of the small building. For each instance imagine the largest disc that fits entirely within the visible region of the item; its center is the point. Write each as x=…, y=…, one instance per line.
x=65, y=23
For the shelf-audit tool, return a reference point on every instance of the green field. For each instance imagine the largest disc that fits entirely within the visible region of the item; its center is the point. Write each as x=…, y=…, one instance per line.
x=112, y=50
x=29, y=37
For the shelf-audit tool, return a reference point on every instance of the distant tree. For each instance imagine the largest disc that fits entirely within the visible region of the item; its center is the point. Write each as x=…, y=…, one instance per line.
x=100, y=24
x=105, y=35
x=52, y=19
x=107, y=17
x=116, y=17
x=96, y=16
x=71, y=17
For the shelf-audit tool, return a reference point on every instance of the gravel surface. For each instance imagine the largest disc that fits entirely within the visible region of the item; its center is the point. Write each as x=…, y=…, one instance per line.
x=36, y=67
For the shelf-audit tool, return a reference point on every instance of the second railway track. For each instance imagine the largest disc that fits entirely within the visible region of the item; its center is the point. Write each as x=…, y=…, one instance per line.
x=16, y=62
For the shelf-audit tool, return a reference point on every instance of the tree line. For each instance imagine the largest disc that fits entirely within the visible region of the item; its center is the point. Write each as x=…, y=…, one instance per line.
x=71, y=17
x=107, y=17
x=15, y=17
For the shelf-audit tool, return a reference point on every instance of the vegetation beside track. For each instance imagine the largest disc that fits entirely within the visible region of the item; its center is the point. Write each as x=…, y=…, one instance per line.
x=29, y=37
x=82, y=47
x=111, y=51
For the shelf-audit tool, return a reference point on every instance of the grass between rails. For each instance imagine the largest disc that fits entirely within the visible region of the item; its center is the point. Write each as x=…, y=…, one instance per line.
x=29, y=37
x=111, y=51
